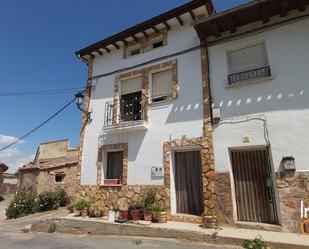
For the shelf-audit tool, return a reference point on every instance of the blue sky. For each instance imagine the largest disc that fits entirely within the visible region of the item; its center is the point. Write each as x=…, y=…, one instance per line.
x=37, y=45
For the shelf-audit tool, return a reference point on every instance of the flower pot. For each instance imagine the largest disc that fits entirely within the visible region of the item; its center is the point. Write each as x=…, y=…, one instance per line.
x=111, y=181
x=148, y=215
x=124, y=214
x=117, y=215
x=160, y=217
x=83, y=212
x=111, y=216
x=136, y=214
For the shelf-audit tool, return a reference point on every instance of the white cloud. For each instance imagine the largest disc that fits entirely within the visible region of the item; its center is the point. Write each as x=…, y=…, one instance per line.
x=20, y=162
x=14, y=158
x=4, y=139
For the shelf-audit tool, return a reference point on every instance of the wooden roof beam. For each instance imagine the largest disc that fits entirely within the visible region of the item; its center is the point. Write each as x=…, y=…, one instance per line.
x=100, y=52
x=215, y=29
x=192, y=15
x=116, y=45
x=201, y=33
x=265, y=13
x=167, y=26
x=231, y=25
x=155, y=29
x=107, y=49
x=145, y=34
x=302, y=5
x=135, y=38
x=284, y=8
x=179, y=20
x=125, y=42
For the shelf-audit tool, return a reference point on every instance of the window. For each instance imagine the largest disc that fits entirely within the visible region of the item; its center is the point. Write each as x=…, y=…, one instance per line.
x=59, y=177
x=131, y=85
x=134, y=50
x=248, y=63
x=130, y=101
x=162, y=84
x=114, y=167
x=157, y=42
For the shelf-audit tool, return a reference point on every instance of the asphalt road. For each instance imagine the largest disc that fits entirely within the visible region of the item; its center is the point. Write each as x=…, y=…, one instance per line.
x=13, y=240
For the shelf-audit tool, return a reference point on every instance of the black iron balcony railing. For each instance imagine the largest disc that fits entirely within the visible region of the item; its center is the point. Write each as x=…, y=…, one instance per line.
x=130, y=107
x=249, y=75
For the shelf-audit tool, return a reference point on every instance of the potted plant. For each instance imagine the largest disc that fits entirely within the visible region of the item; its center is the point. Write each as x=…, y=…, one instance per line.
x=148, y=212
x=124, y=214
x=82, y=206
x=136, y=208
x=96, y=209
x=159, y=213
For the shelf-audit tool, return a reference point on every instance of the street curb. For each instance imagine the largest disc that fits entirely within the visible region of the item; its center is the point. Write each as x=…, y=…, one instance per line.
x=71, y=226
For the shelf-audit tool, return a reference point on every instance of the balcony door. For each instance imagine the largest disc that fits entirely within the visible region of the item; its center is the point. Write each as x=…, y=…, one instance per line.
x=130, y=101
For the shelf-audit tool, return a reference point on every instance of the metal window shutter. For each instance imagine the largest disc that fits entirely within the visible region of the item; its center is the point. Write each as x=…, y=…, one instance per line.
x=131, y=85
x=162, y=83
x=249, y=58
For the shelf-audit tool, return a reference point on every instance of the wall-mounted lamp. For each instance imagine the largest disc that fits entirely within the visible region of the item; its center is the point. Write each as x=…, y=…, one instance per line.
x=288, y=163
x=79, y=97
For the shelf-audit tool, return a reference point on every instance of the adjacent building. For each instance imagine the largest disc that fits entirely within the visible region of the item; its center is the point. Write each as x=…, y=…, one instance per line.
x=55, y=164
x=258, y=70
x=3, y=168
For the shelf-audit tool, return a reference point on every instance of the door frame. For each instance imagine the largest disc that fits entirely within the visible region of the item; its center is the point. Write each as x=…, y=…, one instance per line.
x=233, y=190
x=173, y=200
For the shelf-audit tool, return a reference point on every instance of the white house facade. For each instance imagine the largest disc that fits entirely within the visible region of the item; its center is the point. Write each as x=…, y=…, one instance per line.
x=258, y=67
x=146, y=98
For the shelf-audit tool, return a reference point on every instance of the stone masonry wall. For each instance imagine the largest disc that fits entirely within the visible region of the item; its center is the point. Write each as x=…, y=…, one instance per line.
x=292, y=190
x=123, y=196
x=224, y=199
x=46, y=180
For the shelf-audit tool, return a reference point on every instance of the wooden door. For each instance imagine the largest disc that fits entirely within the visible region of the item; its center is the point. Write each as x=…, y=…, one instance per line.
x=254, y=190
x=188, y=182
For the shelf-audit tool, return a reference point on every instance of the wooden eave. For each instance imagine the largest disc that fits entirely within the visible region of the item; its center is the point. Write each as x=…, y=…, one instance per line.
x=259, y=10
x=142, y=27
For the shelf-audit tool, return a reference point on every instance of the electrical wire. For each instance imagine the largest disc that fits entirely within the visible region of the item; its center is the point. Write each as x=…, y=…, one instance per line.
x=39, y=126
x=41, y=92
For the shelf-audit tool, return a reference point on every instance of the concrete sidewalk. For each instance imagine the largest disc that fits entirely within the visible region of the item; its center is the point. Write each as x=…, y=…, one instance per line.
x=175, y=230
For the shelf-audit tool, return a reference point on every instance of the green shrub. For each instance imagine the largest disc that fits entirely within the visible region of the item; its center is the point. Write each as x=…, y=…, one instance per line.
x=138, y=204
x=46, y=200
x=256, y=243
x=150, y=197
x=81, y=204
x=62, y=197
x=156, y=207
x=23, y=204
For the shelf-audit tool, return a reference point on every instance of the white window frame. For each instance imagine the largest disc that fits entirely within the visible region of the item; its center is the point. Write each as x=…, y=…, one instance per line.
x=166, y=98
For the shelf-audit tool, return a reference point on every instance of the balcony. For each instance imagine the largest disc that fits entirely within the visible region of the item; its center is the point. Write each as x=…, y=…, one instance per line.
x=253, y=74
x=126, y=114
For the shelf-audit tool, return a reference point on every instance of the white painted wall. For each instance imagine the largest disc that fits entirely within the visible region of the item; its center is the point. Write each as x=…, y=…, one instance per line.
x=168, y=120
x=283, y=100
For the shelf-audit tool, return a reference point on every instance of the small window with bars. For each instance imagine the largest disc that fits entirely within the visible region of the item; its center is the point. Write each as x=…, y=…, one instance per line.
x=248, y=64
x=157, y=42
x=134, y=50
x=161, y=85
